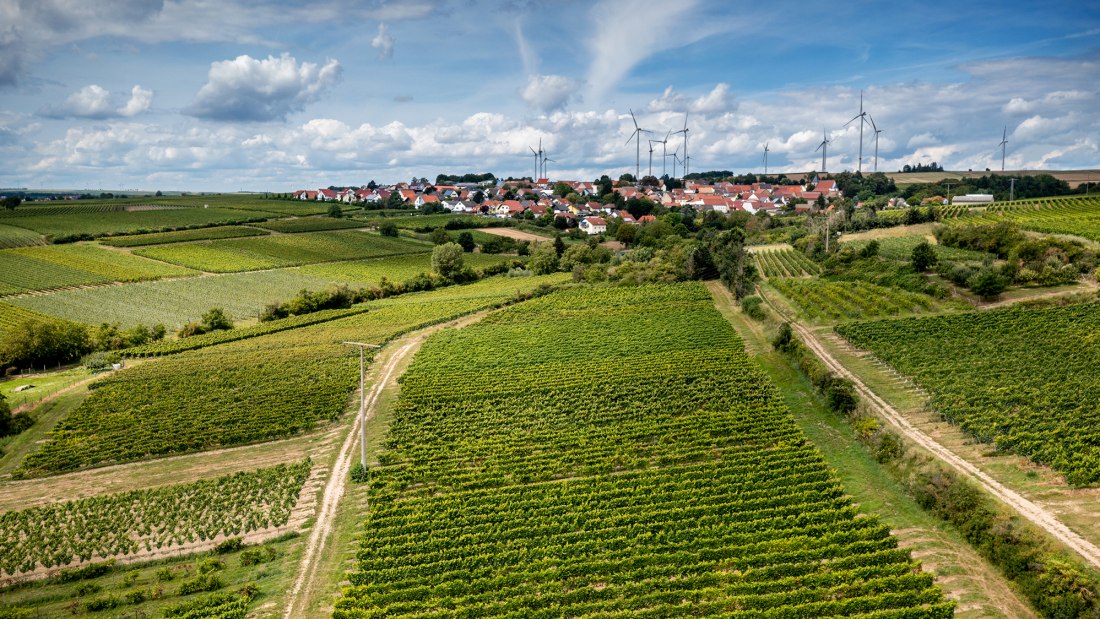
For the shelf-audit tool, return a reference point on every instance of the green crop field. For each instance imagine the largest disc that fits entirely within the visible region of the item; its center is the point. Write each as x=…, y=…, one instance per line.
x=311, y=224
x=117, y=265
x=175, y=302
x=393, y=268
x=197, y=234
x=282, y=250
x=132, y=222
x=246, y=391
x=556, y=459
x=820, y=299
x=116, y=525
x=784, y=263
x=1023, y=379
x=19, y=273
x=1079, y=215
x=14, y=236
x=11, y=315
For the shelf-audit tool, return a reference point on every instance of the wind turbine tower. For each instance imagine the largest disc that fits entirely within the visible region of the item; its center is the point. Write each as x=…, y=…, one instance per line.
x=824, y=148
x=765, y=159
x=685, y=131
x=862, y=116
x=664, y=153
x=1003, y=144
x=538, y=160
x=637, y=137
x=651, y=142
x=877, y=131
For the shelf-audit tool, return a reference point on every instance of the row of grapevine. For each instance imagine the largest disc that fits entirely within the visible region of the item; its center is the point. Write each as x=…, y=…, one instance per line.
x=245, y=391
x=116, y=265
x=901, y=248
x=115, y=525
x=311, y=224
x=1023, y=379
x=282, y=250
x=179, y=236
x=14, y=236
x=785, y=263
x=612, y=452
x=820, y=299
x=121, y=221
x=1078, y=216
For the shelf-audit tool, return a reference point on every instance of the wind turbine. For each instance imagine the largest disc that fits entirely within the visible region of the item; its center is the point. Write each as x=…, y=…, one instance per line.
x=538, y=160
x=546, y=159
x=877, y=131
x=862, y=116
x=1003, y=144
x=765, y=159
x=651, y=141
x=685, y=132
x=637, y=137
x=675, y=159
x=664, y=153
x=824, y=148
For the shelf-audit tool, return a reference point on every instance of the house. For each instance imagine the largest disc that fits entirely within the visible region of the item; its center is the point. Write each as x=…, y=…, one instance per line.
x=326, y=195
x=626, y=217
x=644, y=219
x=593, y=225
x=423, y=199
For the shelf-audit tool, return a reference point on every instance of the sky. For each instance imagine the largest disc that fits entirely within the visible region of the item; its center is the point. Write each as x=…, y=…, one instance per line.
x=231, y=95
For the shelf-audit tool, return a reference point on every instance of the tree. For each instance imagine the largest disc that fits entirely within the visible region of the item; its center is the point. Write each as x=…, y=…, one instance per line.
x=215, y=319
x=544, y=260
x=447, y=260
x=559, y=245
x=388, y=229
x=626, y=233
x=439, y=236
x=466, y=240
x=987, y=284
x=334, y=210
x=924, y=257
x=34, y=342
x=10, y=202
x=869, y=250
x=5, y=417
x=734, y=264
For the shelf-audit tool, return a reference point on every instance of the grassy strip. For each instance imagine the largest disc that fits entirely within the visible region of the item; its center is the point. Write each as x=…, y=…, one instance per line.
x=178, y=236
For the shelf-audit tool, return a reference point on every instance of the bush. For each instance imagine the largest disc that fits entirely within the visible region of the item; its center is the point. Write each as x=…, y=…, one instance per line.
x=924, y=257
x=753, y=307
x=137, y=596
x=447, y=261
x=202, y=582
x=987, y=284
x=208, y=565
x=104, y=603
x=359, y=473
x=100, y=360
x=784, y=339
x=466, y=240
x=87, y=588
x=544, y=260
x=388, y=229
x=226, y=546
x=869, y=250
x=255, y=556
x=94, y=570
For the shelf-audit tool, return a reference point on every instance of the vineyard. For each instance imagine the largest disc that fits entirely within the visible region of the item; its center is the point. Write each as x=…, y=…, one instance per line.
x=563, y=458
x=311, y=224
x=1023, y=379
x=11, y=315
x=115, y=221
x=393, y=268
x=143, y=520
x=24, y=273
x=1078, y=216
x=174, y=302
x=282, y=251
x=785, y=263
x=245, y=391
x=116, y=265
x=178, y=236
x=820, y=299
x=14, y=236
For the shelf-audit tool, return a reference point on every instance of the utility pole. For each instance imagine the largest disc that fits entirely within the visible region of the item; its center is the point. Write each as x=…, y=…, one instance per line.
x=948, y=185
x=362, y=402
x=1012, y=189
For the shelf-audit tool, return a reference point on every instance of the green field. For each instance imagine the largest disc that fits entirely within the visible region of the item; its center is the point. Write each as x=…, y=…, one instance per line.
x=117, y=265
x=132, y=222
x=14, y=236
x=393, y=268
x=1078, y=216
x=784, y=263
x=669, y=481
x=247, y=391
x=178, y=236
x=282, y=250
x=820, y=299
x=173, y=303
x=1024, y=380
x=19, y=273
x=311, y=224
x=116, y=525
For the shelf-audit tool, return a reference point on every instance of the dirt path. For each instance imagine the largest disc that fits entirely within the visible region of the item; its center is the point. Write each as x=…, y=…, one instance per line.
x=334, y=489
x=1030, y=510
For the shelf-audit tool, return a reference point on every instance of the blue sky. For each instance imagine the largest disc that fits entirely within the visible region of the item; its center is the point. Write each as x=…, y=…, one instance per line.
x=244, y=94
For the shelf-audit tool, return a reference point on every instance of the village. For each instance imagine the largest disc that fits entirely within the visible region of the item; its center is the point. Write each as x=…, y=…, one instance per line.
x=576, y=203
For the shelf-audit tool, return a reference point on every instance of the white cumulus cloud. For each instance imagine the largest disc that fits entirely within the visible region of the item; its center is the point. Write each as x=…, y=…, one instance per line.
x=140, y=100
x=251, y=89
x=96, y=102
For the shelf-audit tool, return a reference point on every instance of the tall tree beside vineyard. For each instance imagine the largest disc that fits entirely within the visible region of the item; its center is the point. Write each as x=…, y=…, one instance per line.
x=735, y=266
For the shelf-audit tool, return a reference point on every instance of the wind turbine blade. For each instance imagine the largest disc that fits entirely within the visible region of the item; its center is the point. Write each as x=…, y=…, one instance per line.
x=853, y=119
x=633, y=118
x=870, y=118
